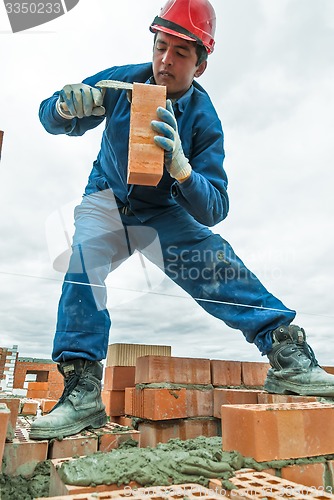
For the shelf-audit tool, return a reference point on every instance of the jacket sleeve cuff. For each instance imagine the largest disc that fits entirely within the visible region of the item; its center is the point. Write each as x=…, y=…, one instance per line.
x=184, y=187
x=68, y=124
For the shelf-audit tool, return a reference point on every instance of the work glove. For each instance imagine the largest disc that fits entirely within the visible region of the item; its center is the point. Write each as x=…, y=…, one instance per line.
x=176, y=163
x=79, y=100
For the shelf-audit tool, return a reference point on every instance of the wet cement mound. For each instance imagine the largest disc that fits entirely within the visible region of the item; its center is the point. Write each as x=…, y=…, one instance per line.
x=176, y=462
x=22, y=488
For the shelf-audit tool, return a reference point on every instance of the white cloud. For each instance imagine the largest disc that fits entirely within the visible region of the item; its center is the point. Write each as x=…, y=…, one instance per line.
x=271, y=79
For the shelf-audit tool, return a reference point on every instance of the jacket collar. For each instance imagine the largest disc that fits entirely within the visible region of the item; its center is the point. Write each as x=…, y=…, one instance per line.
x=182, y=101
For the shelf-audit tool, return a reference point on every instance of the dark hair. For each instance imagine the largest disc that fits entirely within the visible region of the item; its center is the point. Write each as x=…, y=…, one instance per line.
x=201, y=52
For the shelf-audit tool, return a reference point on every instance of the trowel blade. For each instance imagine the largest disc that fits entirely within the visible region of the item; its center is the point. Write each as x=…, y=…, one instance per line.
x=114, y=84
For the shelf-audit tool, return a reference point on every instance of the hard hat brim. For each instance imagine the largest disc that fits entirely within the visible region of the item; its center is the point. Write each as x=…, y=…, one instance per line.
x=155, y=28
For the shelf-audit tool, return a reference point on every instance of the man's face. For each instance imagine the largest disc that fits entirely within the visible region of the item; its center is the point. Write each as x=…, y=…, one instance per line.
x=174, y=64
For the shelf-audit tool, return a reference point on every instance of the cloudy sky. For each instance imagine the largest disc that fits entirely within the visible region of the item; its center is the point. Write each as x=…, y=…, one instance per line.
x=271, y=79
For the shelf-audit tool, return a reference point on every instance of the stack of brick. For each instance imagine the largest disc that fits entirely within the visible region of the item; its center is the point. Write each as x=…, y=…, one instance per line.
x=21, y=454
x=13, y=404
x=119, y=374
x=251, y=484
x=284, y=431
x=46, y=372
x=4, y=418
x=8, y=358
x=241, y=382
x=173, y=398
x=247, y=484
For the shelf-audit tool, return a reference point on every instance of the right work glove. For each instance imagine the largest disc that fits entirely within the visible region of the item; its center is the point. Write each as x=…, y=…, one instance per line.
x=79, y=100
x=176, y=162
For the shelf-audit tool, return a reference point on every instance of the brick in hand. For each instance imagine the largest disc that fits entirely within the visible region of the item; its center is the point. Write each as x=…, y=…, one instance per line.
x=146, y=159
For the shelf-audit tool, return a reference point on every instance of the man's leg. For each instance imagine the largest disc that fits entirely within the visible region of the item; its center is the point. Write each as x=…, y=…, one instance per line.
x=205, y=265
x=81, y=338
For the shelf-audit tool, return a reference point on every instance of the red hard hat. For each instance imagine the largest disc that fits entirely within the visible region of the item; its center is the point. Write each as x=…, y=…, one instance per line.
x=188, y=19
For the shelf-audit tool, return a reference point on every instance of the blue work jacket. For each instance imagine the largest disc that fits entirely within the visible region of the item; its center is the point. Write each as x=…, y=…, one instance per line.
x=203, y=195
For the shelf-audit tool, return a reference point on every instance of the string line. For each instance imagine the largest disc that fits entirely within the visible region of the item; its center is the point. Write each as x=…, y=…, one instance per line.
x=151, y=292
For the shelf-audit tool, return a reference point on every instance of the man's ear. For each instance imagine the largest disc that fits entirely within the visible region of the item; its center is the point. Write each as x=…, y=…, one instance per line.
x=201, y=68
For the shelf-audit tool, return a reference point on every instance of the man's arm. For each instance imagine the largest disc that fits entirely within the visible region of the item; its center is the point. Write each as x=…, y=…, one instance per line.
x=52, y=115
x=201, y=184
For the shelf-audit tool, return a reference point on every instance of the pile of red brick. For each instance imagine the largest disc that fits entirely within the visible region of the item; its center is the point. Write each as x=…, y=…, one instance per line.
x=170, y=397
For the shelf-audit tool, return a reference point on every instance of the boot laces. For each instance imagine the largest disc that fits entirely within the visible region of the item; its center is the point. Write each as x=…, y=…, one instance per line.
x=301, y=347
x=306, y=350
x=296, y=338
x=70, y=384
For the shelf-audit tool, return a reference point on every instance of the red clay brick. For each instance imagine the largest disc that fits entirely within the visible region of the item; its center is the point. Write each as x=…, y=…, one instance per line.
x=266, y=398
x=151, y=369
x=124, y=421
x=37, y=394
x=38, y=386
x=117, y=378
x=273, y=432
x=4, y=419
x=199, y=403
x=232, y=397
x=13, y=405
x=262, y=485
x=82, y=444
x=40, y=369
x=22, y=455
x=152, y=433
x=114, y=402
x=189, y=491
x=308, y=474
x=59, y=488
x=112, y=435
x=159, y=404
x=129, y=401
x=47, y=405
x=55, y=391
x=225, y=372
x=145, y=165
x=29, y=408
x=254, y=373
x=194, y=427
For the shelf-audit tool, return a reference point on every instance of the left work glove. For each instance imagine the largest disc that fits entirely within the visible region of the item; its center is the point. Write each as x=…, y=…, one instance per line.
x=176, y=163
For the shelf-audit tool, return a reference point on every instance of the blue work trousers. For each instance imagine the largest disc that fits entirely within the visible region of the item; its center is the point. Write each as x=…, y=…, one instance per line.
x=201, y=262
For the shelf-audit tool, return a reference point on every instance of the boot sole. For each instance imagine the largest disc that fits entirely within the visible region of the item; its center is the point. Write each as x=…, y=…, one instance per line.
x=283, y=387
x=91, y=422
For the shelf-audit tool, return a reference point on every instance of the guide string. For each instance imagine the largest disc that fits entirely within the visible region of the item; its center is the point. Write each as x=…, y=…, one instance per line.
x=162, y=294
